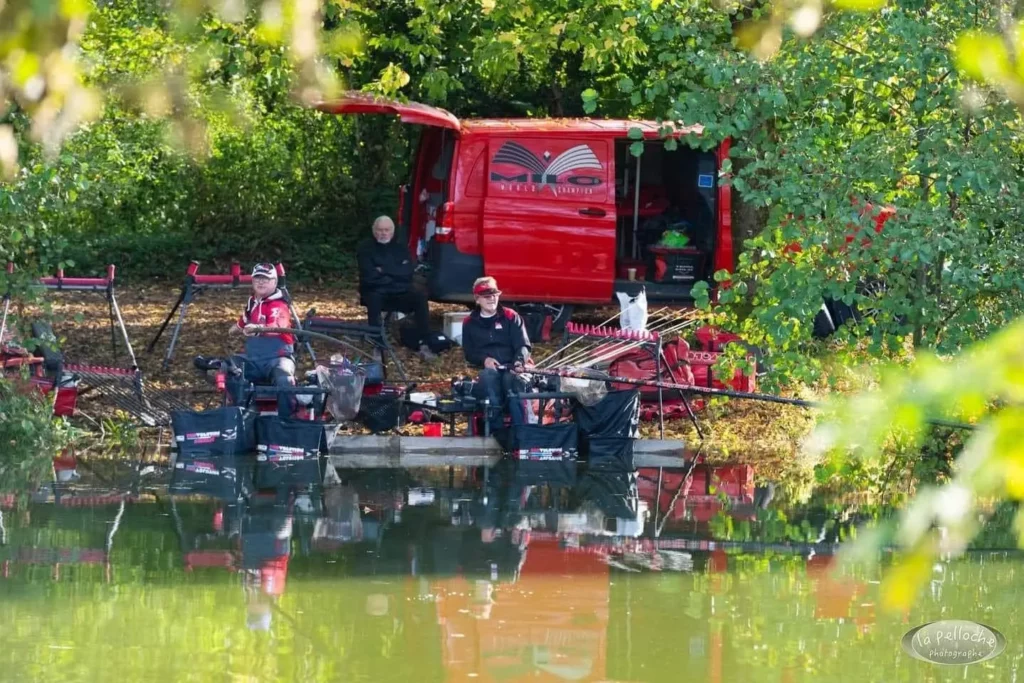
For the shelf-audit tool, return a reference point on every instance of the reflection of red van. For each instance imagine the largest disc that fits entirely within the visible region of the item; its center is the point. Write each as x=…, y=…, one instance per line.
x=552, y=207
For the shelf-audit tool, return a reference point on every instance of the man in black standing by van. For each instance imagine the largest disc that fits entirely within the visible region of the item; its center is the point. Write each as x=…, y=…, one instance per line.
x=494, y=337
x=385, y=281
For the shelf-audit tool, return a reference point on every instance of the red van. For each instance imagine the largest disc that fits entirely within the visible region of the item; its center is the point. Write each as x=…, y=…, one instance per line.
x=558, y=210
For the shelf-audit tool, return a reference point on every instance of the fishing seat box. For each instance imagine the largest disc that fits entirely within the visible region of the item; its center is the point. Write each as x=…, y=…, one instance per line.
x=289, y=452
x=674, y=266
x=607, y=430
x=614, y=493
x=224, y=477
x=541, y=454
x=226, y=431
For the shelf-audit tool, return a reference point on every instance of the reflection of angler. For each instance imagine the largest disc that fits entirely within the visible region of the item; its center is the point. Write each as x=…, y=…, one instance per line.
x=265, y=549
x=266, y=546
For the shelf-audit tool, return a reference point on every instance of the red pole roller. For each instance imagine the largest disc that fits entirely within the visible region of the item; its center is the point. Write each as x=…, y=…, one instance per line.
x=110, y=272
x=193, y=268
x=10, y=267
x=279, y=267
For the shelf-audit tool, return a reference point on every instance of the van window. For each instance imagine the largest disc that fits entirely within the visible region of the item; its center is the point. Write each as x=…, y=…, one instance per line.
x=549, y=168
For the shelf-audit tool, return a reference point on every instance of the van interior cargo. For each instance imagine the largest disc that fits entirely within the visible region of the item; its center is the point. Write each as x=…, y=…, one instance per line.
x=665, y=205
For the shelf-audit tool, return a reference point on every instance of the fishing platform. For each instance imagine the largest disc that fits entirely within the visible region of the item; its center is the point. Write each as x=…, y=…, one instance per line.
x=396, y=451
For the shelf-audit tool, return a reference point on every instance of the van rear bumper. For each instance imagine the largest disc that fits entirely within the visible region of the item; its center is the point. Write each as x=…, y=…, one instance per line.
x=451, y=274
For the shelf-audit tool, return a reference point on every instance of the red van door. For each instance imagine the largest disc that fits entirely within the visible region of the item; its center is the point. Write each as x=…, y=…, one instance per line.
x=408, y=112
x=549, y=219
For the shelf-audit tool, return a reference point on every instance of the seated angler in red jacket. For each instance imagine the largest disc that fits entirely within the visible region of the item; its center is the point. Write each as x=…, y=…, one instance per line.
x=269, y=356
x=494, y=336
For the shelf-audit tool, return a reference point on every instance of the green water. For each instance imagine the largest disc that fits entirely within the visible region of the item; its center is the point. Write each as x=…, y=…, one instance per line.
x=352, y=586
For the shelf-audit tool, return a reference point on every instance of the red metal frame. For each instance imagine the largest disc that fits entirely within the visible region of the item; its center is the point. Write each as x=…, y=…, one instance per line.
x=194, y=283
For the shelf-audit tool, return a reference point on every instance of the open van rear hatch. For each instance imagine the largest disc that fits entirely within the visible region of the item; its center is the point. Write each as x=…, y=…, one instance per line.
x=408, y=112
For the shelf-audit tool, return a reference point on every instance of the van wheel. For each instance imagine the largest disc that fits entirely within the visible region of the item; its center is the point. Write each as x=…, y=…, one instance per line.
x=560, y=314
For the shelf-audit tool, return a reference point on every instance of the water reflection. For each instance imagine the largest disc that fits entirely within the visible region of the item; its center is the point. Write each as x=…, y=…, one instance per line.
x=460, y=574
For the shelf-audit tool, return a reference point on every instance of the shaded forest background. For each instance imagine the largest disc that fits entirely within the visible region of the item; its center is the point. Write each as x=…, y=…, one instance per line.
x=828, y=111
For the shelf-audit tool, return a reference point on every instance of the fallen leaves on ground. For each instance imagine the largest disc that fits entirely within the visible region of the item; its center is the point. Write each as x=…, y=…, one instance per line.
x=764, y=435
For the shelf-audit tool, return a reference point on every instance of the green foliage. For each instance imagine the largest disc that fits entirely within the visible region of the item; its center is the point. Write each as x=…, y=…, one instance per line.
x=983, y=385
x=867, y=114
x=248, y=174
x=30, y=436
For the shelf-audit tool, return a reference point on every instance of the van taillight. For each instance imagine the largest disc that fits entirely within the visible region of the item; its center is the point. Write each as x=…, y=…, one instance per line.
x=444, y=230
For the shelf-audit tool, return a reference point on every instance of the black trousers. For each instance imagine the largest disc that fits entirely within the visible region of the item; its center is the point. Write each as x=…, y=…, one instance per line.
x=496, y=385
x=278, y=371
x=411, y=301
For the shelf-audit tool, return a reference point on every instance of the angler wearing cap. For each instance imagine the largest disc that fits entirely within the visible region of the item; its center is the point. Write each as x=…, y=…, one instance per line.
x=268, y=355
x=493, y=336
x=385, y=281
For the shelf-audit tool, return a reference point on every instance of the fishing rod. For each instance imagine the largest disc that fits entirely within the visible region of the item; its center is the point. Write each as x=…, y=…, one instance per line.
x=7, y=301
x=313, y=335
x=576, y=341
x=615, y=345
x=707, y=391
x=611, y=353
x=655, y=318
x=611, y=347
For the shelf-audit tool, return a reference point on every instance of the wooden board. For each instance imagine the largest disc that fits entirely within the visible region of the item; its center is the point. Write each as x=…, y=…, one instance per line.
x=465, y=451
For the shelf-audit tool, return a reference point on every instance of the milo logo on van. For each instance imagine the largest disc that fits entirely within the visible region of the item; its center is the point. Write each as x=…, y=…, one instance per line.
x=547, y=172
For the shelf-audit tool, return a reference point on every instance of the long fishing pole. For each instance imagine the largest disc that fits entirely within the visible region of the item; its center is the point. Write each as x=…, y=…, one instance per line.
x=663, y=325
x=314, y=335
x=611, y=353
x=7, y=302
x=575, y=341
x=708, y=391
x=591, y=343
x=655, y=321
x=561, y=350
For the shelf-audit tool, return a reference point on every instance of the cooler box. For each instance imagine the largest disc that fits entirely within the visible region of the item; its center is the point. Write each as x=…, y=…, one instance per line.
x=674, y=266
x=453, y=325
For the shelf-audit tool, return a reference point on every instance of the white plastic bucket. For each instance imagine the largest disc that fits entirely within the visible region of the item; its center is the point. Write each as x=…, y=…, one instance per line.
x=453, y=325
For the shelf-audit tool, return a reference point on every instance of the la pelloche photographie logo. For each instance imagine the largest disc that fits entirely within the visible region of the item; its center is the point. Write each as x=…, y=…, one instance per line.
x=954, y=641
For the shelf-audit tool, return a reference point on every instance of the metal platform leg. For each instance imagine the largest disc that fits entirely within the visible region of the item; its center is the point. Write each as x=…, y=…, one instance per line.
x=124, y=331
x=163, y=326
x=657, y=370
x=175, y=333
x=113, y=325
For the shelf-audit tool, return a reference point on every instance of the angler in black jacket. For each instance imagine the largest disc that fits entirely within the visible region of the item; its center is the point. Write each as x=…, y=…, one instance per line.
x=494, y=336
x=385, y=280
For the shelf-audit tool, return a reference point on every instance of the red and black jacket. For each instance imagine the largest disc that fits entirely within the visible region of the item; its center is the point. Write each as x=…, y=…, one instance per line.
x=270, y=312
x=501, y=337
